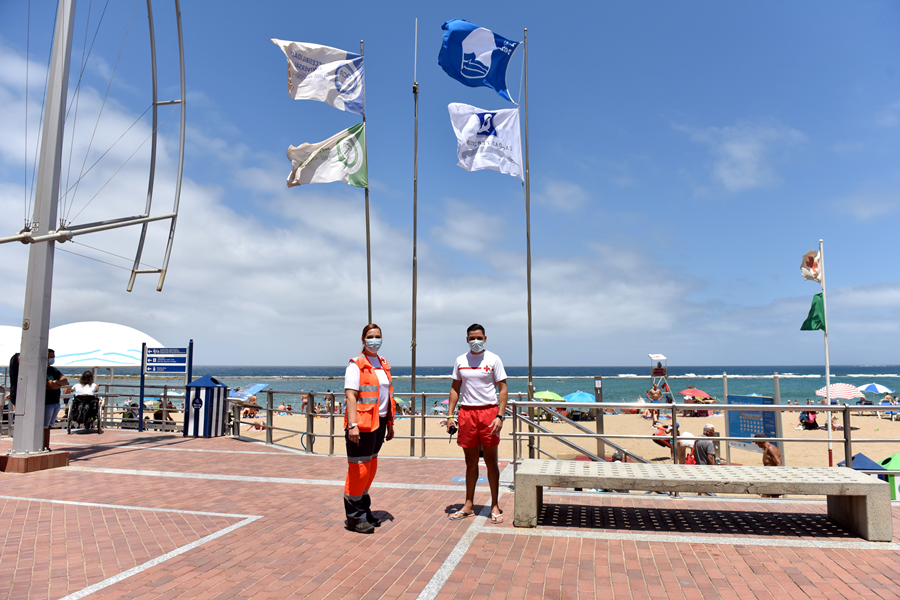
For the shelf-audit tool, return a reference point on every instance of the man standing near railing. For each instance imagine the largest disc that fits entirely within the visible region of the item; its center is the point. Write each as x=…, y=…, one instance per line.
x=479, y=385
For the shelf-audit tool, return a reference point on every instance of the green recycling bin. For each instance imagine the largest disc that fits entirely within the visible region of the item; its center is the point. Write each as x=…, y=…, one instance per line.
x=892, y=463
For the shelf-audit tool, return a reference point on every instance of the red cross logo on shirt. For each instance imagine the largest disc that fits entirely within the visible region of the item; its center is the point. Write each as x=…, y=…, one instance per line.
x=487, y=368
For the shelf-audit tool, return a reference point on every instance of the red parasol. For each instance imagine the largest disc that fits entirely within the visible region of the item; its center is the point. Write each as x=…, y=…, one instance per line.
x=694, y=392
x=841, y=391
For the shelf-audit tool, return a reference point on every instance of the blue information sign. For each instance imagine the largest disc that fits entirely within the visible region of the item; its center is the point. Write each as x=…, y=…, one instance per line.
x=166, y=368
x=747, y=423
x=167, y=360
x=170, y=351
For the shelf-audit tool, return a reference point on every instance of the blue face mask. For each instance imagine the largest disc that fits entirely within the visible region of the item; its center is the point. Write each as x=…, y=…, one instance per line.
x=373, y=344
x=50, y=361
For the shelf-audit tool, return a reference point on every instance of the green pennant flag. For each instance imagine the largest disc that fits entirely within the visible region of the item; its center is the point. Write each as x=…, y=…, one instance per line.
x=816, y=318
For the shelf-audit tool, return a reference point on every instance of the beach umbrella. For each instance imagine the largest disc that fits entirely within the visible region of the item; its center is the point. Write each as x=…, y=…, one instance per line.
x=447, y=401
x=579, y=397
x=841, y=391
x=696, y=393
x=875, y=388
x=754, y=394
x=548, y=396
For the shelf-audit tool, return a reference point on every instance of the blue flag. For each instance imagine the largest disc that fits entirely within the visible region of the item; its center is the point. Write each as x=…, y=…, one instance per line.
x=475, y=56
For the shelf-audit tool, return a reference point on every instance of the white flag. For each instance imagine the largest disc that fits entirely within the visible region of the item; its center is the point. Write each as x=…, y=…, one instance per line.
x=341, y=157
x=809, y=266
x=487, y=139
x=326, y=74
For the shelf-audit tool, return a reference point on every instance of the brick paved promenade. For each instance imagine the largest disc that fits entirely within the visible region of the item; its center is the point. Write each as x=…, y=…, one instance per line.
x=159, y=516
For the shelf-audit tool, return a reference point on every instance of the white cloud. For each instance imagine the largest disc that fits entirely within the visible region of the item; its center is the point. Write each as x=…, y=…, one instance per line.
x=743, y=154
x=865, y=207
x=283, y=281
x=468, y=229
x=889, y=116
x=562, y=195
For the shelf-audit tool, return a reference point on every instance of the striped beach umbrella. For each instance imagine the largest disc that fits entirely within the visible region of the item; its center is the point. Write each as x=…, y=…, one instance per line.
x=841, y=391
x=875, y=388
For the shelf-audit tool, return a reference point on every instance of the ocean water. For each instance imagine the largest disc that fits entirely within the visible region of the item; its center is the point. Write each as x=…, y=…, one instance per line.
x=620, y=384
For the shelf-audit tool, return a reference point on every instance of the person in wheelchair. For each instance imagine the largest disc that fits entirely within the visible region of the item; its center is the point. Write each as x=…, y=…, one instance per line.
x=85, y=404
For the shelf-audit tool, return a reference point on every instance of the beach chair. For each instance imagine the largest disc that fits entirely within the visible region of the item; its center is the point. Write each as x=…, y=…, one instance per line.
x=890, y=414
x=887, y=413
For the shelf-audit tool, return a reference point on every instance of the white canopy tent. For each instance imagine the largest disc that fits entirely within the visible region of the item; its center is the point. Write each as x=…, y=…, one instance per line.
x=86, y=344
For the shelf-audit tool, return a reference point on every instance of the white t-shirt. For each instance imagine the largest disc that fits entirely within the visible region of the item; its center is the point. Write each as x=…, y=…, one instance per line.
x=351, y=382
x=84, y=390
x=686, y=439
x=480, y=374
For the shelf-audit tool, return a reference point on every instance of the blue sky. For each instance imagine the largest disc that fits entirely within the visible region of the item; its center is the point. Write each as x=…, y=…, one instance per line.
x=684, y=156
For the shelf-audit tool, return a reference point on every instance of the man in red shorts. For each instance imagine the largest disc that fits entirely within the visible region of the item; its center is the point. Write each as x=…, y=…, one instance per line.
x=478, y=380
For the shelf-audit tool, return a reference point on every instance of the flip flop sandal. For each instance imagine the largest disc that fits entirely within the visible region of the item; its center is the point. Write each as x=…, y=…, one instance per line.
x=460, y=515
x=496, y=518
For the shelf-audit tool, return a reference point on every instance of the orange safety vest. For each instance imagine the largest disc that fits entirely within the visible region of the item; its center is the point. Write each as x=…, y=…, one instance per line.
x=367, y=417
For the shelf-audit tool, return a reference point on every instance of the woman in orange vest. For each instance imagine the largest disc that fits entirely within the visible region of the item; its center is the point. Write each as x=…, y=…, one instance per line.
x=368, y=422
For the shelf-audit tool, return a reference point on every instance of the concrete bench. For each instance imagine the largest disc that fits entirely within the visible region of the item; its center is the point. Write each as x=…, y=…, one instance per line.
x=858, y=502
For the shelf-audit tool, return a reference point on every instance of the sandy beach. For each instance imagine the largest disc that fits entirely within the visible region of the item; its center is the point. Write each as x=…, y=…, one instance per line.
x=801, y=453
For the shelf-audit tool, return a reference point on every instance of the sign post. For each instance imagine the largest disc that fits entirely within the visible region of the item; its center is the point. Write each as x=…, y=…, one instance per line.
x=164, y=360
x=747, y=423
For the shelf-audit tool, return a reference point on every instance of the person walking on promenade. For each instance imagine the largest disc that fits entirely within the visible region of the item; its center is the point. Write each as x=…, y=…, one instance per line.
x=368, y=423
x=479, y=386
x=55, y=382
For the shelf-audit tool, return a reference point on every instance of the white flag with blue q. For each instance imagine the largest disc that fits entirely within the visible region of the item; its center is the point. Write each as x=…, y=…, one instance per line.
x=487, y=139
x=475, y=56
x=326, y=74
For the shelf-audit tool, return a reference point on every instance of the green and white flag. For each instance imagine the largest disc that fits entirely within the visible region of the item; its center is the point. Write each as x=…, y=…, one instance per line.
x=341, y=157
x=816, y=318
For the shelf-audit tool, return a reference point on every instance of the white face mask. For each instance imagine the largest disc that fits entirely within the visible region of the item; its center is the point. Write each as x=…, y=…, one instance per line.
x=373, y=344
x=476, y=346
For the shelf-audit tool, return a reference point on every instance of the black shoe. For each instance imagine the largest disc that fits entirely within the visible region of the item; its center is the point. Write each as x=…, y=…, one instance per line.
x=360, y=526
x=373, y=520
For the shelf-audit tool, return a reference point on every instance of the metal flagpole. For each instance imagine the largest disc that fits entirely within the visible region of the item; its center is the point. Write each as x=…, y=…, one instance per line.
x=368, y=234
x=827, y=359
x=527, y=219
x=415, y=265
x=32, y=386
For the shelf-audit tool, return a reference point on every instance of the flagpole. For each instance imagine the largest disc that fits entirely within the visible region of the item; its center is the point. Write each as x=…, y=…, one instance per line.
x=528, y=220
x=827, y=358
x=415, y=264
x=368, y=234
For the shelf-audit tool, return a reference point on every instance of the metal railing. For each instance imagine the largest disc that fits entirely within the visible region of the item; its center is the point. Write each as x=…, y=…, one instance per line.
x=417, y=434
x=533, y=437
x=116, y=409
x=527, y=429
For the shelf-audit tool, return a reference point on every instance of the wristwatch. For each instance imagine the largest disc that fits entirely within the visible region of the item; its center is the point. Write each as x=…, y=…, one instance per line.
x=351, y=425
x=499, y=416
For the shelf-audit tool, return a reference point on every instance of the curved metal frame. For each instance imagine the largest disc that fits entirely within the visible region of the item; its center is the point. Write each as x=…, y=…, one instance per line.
x=67, y=233
x=135, y=270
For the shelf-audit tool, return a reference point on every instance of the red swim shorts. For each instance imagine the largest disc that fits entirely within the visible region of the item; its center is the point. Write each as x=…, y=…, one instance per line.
x=476, y=424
